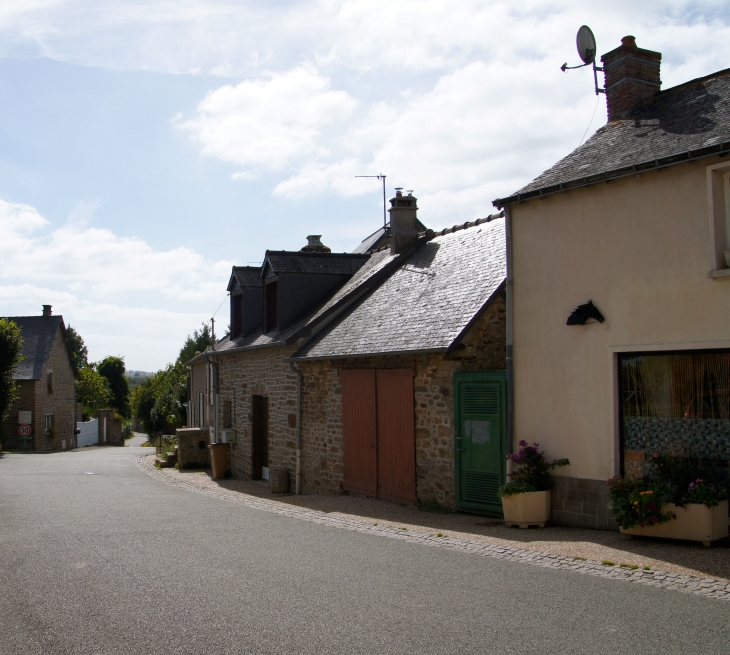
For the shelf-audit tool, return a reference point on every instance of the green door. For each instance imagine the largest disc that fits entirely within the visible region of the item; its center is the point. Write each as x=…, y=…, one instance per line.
x=481, y=438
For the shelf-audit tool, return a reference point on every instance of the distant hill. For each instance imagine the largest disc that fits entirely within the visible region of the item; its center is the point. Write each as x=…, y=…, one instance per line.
x=135, y=378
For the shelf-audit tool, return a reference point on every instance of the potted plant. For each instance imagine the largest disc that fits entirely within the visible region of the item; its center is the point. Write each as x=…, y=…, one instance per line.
x=526, y=497
x=642, y=508
x=664, y=505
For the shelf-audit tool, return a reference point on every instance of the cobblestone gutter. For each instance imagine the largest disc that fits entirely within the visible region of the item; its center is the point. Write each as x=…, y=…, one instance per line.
x=707, y=587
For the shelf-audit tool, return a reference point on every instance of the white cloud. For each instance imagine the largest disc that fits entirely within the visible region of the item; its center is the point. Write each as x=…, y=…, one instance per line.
x=269, y=122
x=123, y=296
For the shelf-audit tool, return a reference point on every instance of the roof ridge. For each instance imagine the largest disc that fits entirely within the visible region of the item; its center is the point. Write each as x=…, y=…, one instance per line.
x=697, y=80
x=316, y=254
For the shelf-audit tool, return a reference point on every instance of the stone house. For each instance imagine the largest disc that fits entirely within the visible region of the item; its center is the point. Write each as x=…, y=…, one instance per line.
x=421, y=320
x=619, y=269
x=47, y=386
x=402, y=391
x=244, y=391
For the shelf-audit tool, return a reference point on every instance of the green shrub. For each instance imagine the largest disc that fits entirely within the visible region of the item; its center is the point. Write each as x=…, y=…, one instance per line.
x=638, y=501
x=531, y=471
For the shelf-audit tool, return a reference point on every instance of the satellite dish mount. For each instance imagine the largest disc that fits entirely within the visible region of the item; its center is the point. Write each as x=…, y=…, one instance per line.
x=586, y=44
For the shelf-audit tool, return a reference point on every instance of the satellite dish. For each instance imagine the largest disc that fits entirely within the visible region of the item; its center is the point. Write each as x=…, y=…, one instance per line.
x=586, y=43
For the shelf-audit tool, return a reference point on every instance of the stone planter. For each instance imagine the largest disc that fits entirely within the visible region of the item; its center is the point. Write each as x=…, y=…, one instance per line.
x=525, y=510
x=693, y=523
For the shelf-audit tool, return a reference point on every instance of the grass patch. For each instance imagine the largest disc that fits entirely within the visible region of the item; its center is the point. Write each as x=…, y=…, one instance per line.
x=608, y=562
x=647, y=568
x=629, y=566
x=433, y=507
x=404, y=528
x=440, y=534
x=580, y=559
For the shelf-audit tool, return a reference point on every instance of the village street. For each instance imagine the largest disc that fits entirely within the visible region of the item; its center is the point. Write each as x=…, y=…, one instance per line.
x=100, y=558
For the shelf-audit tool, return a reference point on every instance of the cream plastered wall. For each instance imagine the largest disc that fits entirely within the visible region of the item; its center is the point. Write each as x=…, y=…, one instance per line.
x=640, y=248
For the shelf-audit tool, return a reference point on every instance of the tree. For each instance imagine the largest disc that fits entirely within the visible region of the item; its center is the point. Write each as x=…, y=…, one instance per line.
x=143, y=402
x=79, y=352
x=195, y=344
x=11, y=346
x=93, y=391
x=112, y=368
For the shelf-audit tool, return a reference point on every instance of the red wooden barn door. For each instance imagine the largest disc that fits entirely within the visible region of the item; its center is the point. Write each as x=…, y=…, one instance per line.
x=396, y=435
x=359, y=430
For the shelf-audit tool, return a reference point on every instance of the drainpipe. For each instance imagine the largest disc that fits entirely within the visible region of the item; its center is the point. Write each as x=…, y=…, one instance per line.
x=298, y=371
x=510, y=339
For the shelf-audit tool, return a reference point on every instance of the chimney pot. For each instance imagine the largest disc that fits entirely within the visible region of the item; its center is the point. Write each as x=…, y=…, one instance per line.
x=47, y=310
x=629, y=41
x=631, y=78
x=314, y=244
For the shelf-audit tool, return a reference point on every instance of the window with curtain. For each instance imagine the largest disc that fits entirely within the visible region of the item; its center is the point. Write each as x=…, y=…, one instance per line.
x=677, y=403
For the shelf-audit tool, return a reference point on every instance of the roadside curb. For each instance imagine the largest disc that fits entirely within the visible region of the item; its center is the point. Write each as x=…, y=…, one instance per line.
x=707, y=587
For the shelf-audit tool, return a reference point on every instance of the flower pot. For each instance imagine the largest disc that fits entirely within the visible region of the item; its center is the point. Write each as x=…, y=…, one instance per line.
x=524, y=510
x=694, y=522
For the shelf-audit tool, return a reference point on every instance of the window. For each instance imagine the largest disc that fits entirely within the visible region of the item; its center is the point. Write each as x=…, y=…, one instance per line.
x=271, y=303
x=49, y=423
x=676, y=403
x=718, y=197
x=236, y=316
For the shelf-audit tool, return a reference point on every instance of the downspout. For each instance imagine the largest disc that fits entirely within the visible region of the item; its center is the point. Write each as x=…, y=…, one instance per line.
x=297, y=370
x=510, y=339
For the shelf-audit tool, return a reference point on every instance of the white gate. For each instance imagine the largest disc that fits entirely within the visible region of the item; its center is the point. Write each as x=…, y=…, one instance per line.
x=88, y=432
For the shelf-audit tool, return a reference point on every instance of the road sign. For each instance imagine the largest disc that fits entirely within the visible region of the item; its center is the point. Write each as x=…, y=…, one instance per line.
x=24, y=431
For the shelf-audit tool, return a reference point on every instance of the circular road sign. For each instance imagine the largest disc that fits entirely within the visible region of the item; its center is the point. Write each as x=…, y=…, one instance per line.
x=24, y=430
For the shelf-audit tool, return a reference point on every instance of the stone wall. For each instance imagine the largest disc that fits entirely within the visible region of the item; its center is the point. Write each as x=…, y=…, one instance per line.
x=192, y=447
x=57, y=398
x=114, y=436
x=580, y=503
x=483, y=349
x=261, y=372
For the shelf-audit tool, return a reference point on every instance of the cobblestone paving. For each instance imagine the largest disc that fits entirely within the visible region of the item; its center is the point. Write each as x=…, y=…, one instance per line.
x=708, y=587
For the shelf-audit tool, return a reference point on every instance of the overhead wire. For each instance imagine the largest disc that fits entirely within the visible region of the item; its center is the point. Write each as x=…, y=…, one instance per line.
x=598, y=99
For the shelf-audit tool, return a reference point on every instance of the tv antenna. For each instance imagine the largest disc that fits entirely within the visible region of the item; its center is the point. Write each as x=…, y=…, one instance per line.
x=379, y=177
x=586, y=44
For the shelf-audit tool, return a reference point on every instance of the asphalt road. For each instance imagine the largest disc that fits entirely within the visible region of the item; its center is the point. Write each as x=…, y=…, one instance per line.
x=120, y=563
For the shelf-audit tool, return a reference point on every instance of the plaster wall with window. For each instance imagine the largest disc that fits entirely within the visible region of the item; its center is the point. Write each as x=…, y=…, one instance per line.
x=643, y=250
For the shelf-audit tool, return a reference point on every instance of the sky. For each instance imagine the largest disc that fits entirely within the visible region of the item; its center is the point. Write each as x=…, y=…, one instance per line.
x=146, y=147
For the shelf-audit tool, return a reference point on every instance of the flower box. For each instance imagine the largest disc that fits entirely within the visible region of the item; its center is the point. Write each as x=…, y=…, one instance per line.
x=694, y=522
x=526, y=509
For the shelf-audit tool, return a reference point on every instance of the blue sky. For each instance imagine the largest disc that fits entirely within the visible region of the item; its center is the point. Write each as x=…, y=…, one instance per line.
x=147, y=147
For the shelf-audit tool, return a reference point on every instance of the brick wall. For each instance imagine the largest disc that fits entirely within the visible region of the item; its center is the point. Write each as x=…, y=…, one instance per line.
x=114, y=436
x=322, y=453
x=260, y=372
x=59, y=400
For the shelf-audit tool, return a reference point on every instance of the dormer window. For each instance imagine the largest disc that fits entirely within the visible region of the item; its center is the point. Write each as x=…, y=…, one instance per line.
x=236, y=315
x=271, y=306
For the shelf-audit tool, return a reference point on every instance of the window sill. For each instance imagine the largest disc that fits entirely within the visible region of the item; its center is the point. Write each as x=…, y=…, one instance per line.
x=720, y=274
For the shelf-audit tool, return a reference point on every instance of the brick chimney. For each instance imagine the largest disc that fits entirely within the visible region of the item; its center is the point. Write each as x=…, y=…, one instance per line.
x=314, y=244
x=403, y=222
x=47, y=310
x=632, y=76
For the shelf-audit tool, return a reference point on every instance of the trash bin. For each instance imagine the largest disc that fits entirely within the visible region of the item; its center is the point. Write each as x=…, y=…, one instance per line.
x=279, y=481
x=218, y=459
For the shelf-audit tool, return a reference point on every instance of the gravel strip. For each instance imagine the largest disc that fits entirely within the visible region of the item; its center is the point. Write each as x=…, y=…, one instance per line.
x=708, y=587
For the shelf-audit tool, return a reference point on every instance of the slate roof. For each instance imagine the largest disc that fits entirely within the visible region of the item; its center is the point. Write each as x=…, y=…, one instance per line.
x=679, y=124
x=373, y=265
x=246, y=276
x=38, y=335
x=340, y=263
x=427, y=303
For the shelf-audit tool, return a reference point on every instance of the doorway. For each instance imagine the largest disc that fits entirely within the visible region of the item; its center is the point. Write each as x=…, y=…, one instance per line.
x=378, y=428
x=480, y=422
x=259, y=438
